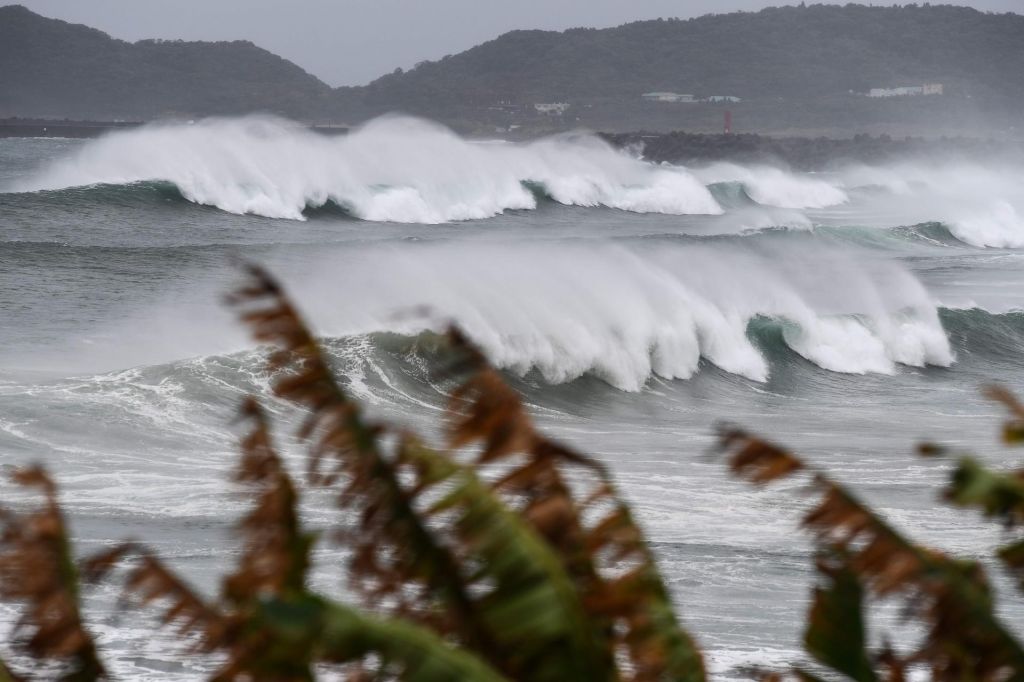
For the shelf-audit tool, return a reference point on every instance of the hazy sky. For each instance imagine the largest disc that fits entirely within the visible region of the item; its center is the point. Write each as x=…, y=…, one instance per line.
x=350, y=42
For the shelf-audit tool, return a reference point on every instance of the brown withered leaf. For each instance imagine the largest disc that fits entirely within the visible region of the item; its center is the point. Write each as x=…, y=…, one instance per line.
x=272, y=567
x=964, y=639
x=608, y=558
x=399, y=562
x=36, y=567
x=276, y=554
x=395, y=553
x=335, y=427
x=932, y=450
x=754, y=459
x=149, y=580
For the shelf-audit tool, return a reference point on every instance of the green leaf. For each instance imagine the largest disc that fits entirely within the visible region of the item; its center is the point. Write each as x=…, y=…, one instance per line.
x=347, y=635
x=583, y=519
x=964, y=639
x=533, y=610
x=5, y=673
x=996, y=494
x=1012, y=556
x=835, y=633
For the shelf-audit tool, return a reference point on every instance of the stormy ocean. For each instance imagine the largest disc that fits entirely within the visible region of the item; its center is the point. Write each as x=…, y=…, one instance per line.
x=847, y=314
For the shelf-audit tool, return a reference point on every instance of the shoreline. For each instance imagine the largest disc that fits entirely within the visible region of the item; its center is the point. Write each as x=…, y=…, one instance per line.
x=677, y=147
x=805, y=153
x=41, y=127
x=66, y=128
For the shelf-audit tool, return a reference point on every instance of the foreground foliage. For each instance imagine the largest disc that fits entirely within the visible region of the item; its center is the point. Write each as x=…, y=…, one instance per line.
x=504, y=556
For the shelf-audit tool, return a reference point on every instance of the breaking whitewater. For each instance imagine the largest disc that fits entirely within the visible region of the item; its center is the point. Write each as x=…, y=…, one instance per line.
x=846, y=313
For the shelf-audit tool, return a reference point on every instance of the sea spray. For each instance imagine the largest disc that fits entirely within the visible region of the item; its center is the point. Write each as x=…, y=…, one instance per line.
x=393, y=169
x=981, y=205
x=406, y=170
x=625, y=314
x=775, y=187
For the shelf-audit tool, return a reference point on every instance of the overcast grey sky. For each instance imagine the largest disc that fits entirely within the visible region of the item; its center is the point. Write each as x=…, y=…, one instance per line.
x=350, y=42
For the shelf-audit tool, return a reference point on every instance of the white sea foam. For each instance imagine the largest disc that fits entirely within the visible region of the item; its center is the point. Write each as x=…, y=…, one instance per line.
x=392, y=169
x=776, y=187
x=626, y=315
x=1000, y=225
x=622, y=313
x=401, y=169
x=982, y=205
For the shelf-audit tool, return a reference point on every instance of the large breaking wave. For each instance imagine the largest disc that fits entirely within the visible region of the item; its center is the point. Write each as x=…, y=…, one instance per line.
x=980, y=204
x=775, y=187
x=393, y=169
x=627, y=314
x=622, y=313
x=386, y=365
x=401, y=169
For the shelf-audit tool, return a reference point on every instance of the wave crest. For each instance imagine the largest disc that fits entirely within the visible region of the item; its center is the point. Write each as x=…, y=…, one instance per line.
x=627, y=314
x=775, y=187
x=980, y=204
x=392, y=169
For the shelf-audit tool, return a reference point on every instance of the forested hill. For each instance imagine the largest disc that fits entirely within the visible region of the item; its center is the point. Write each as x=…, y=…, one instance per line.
x=54, y=69
x=797, y=69
x=778, y=52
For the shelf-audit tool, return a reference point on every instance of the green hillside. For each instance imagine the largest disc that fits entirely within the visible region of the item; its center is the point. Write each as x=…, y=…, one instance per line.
x=797, y=69
x=790, y=52
x=51, y=68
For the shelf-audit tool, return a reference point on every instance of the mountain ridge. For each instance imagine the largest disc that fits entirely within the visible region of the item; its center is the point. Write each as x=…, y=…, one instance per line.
x=738, y=49
x=803, y=66
x=49, y=67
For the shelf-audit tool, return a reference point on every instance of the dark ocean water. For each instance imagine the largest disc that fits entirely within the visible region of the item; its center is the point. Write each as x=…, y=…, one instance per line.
x=848, y=315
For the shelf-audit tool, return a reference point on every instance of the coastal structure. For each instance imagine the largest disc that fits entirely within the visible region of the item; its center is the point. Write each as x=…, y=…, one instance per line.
x=908, y=91
x=679, y=97
x=667, y=97
x=551, y=108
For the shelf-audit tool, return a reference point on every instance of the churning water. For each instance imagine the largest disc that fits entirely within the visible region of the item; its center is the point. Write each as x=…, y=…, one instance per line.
x=847, y=314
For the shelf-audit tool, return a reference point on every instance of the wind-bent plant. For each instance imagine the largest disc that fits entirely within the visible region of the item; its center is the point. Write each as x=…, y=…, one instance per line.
x=501, y=556
x=36, y=567
x=860, y=556
x=521, y=562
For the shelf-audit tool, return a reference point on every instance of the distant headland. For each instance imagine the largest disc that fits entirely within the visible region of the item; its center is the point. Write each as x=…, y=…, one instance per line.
x=918, y=70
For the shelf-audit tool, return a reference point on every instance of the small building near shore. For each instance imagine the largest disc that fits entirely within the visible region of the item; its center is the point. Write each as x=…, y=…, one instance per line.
x=908, y=91
x=667, y=97
x=551, y=108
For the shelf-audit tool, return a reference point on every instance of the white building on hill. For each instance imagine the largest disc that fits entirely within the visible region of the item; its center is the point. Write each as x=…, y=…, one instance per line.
x=667, y=97
x=908, y=91
x=551, y=108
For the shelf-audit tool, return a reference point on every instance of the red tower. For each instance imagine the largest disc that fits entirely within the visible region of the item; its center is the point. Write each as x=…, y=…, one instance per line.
x=728, y=122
